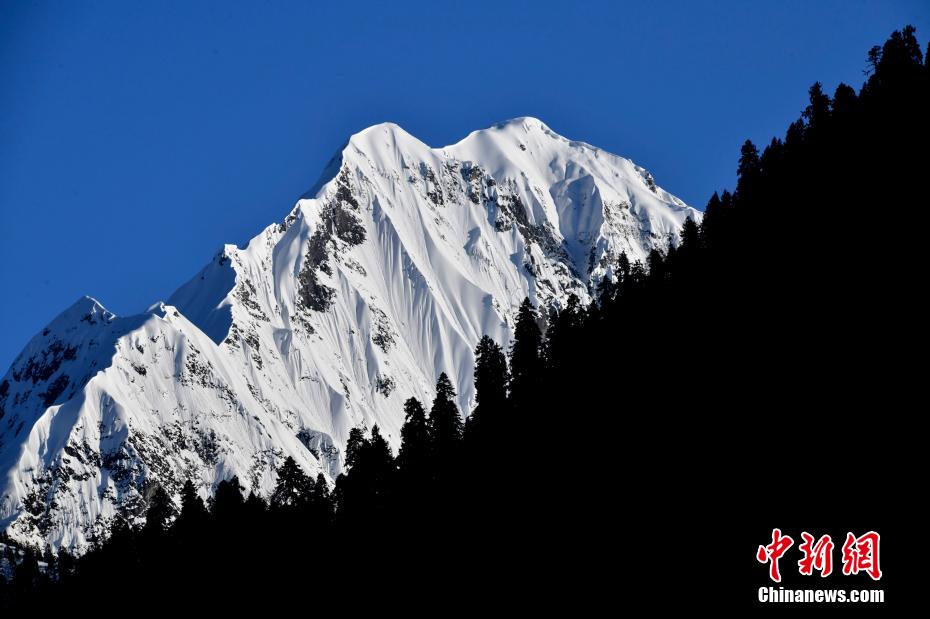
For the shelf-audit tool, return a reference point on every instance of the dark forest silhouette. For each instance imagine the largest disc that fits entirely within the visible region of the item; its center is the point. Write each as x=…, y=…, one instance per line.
x=764, y=346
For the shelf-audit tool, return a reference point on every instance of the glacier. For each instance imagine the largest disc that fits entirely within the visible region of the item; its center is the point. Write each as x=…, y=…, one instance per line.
x=381, y=277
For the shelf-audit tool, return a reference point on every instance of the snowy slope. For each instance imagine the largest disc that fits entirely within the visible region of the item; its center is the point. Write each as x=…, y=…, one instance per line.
x=386, y=274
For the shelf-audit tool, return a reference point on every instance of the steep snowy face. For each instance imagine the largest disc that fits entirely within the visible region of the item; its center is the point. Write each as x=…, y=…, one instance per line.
x=385, y=275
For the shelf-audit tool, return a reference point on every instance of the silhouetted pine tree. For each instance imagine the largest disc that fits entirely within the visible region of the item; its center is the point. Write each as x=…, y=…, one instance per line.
x=491, y=377
x=690, y=234
x=321, y=501
x=161, y=512
x=227, y=501
x=526, y=364
x=193, y=511
x=380, y=457
x=565, y=344
x=365, y=490
x=748, y=172
x=355, y=445
x=414, y=454
x=293, y=487
x=445, y=422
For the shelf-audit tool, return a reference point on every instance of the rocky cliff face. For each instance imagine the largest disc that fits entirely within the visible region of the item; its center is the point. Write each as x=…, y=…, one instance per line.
x=384, y=276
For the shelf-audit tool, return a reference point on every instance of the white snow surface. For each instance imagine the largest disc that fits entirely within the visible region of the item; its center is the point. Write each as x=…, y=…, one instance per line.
x=383, y=276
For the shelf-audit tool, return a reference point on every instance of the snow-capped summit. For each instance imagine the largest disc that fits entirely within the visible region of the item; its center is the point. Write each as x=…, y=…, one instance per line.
x=383, y=276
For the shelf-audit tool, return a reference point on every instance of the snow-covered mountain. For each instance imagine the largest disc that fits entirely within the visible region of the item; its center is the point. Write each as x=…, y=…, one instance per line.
x=383, y=276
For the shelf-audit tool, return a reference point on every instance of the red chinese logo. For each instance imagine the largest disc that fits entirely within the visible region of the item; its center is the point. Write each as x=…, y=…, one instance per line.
x=817, y=556
x=773, y=552
x=861, y=554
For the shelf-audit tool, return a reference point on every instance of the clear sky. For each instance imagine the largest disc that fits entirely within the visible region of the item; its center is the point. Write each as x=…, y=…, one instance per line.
x=137, y=138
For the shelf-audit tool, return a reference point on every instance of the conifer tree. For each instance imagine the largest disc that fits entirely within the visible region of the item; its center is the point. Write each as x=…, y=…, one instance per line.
x=526, y=360
x=844, y=103
x=748, y=171
x=445, y=423
x=623, y=264
x=320, y=495
x=690, y=234
x=366, y=487
x=656, y=265
x=354, y=447
x=193, y=511
x=817, y=112
x=380, y=457
x=491, y=378
x=160, y=512
x=606, y=289
x=415, y=438
x=293, y=487
x=564, y=341
x=227, y=501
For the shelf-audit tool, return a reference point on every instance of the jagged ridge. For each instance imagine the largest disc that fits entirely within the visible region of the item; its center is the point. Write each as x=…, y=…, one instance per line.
x=385, y=276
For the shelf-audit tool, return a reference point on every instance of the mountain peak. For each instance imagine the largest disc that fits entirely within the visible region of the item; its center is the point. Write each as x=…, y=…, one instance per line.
x=391, y=136
x=524, y=123
x=85, y=308
x=382, y=278
x=382, y=135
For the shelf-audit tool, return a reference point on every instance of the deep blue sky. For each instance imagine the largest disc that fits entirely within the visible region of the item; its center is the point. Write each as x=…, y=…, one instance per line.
x=136, y=138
